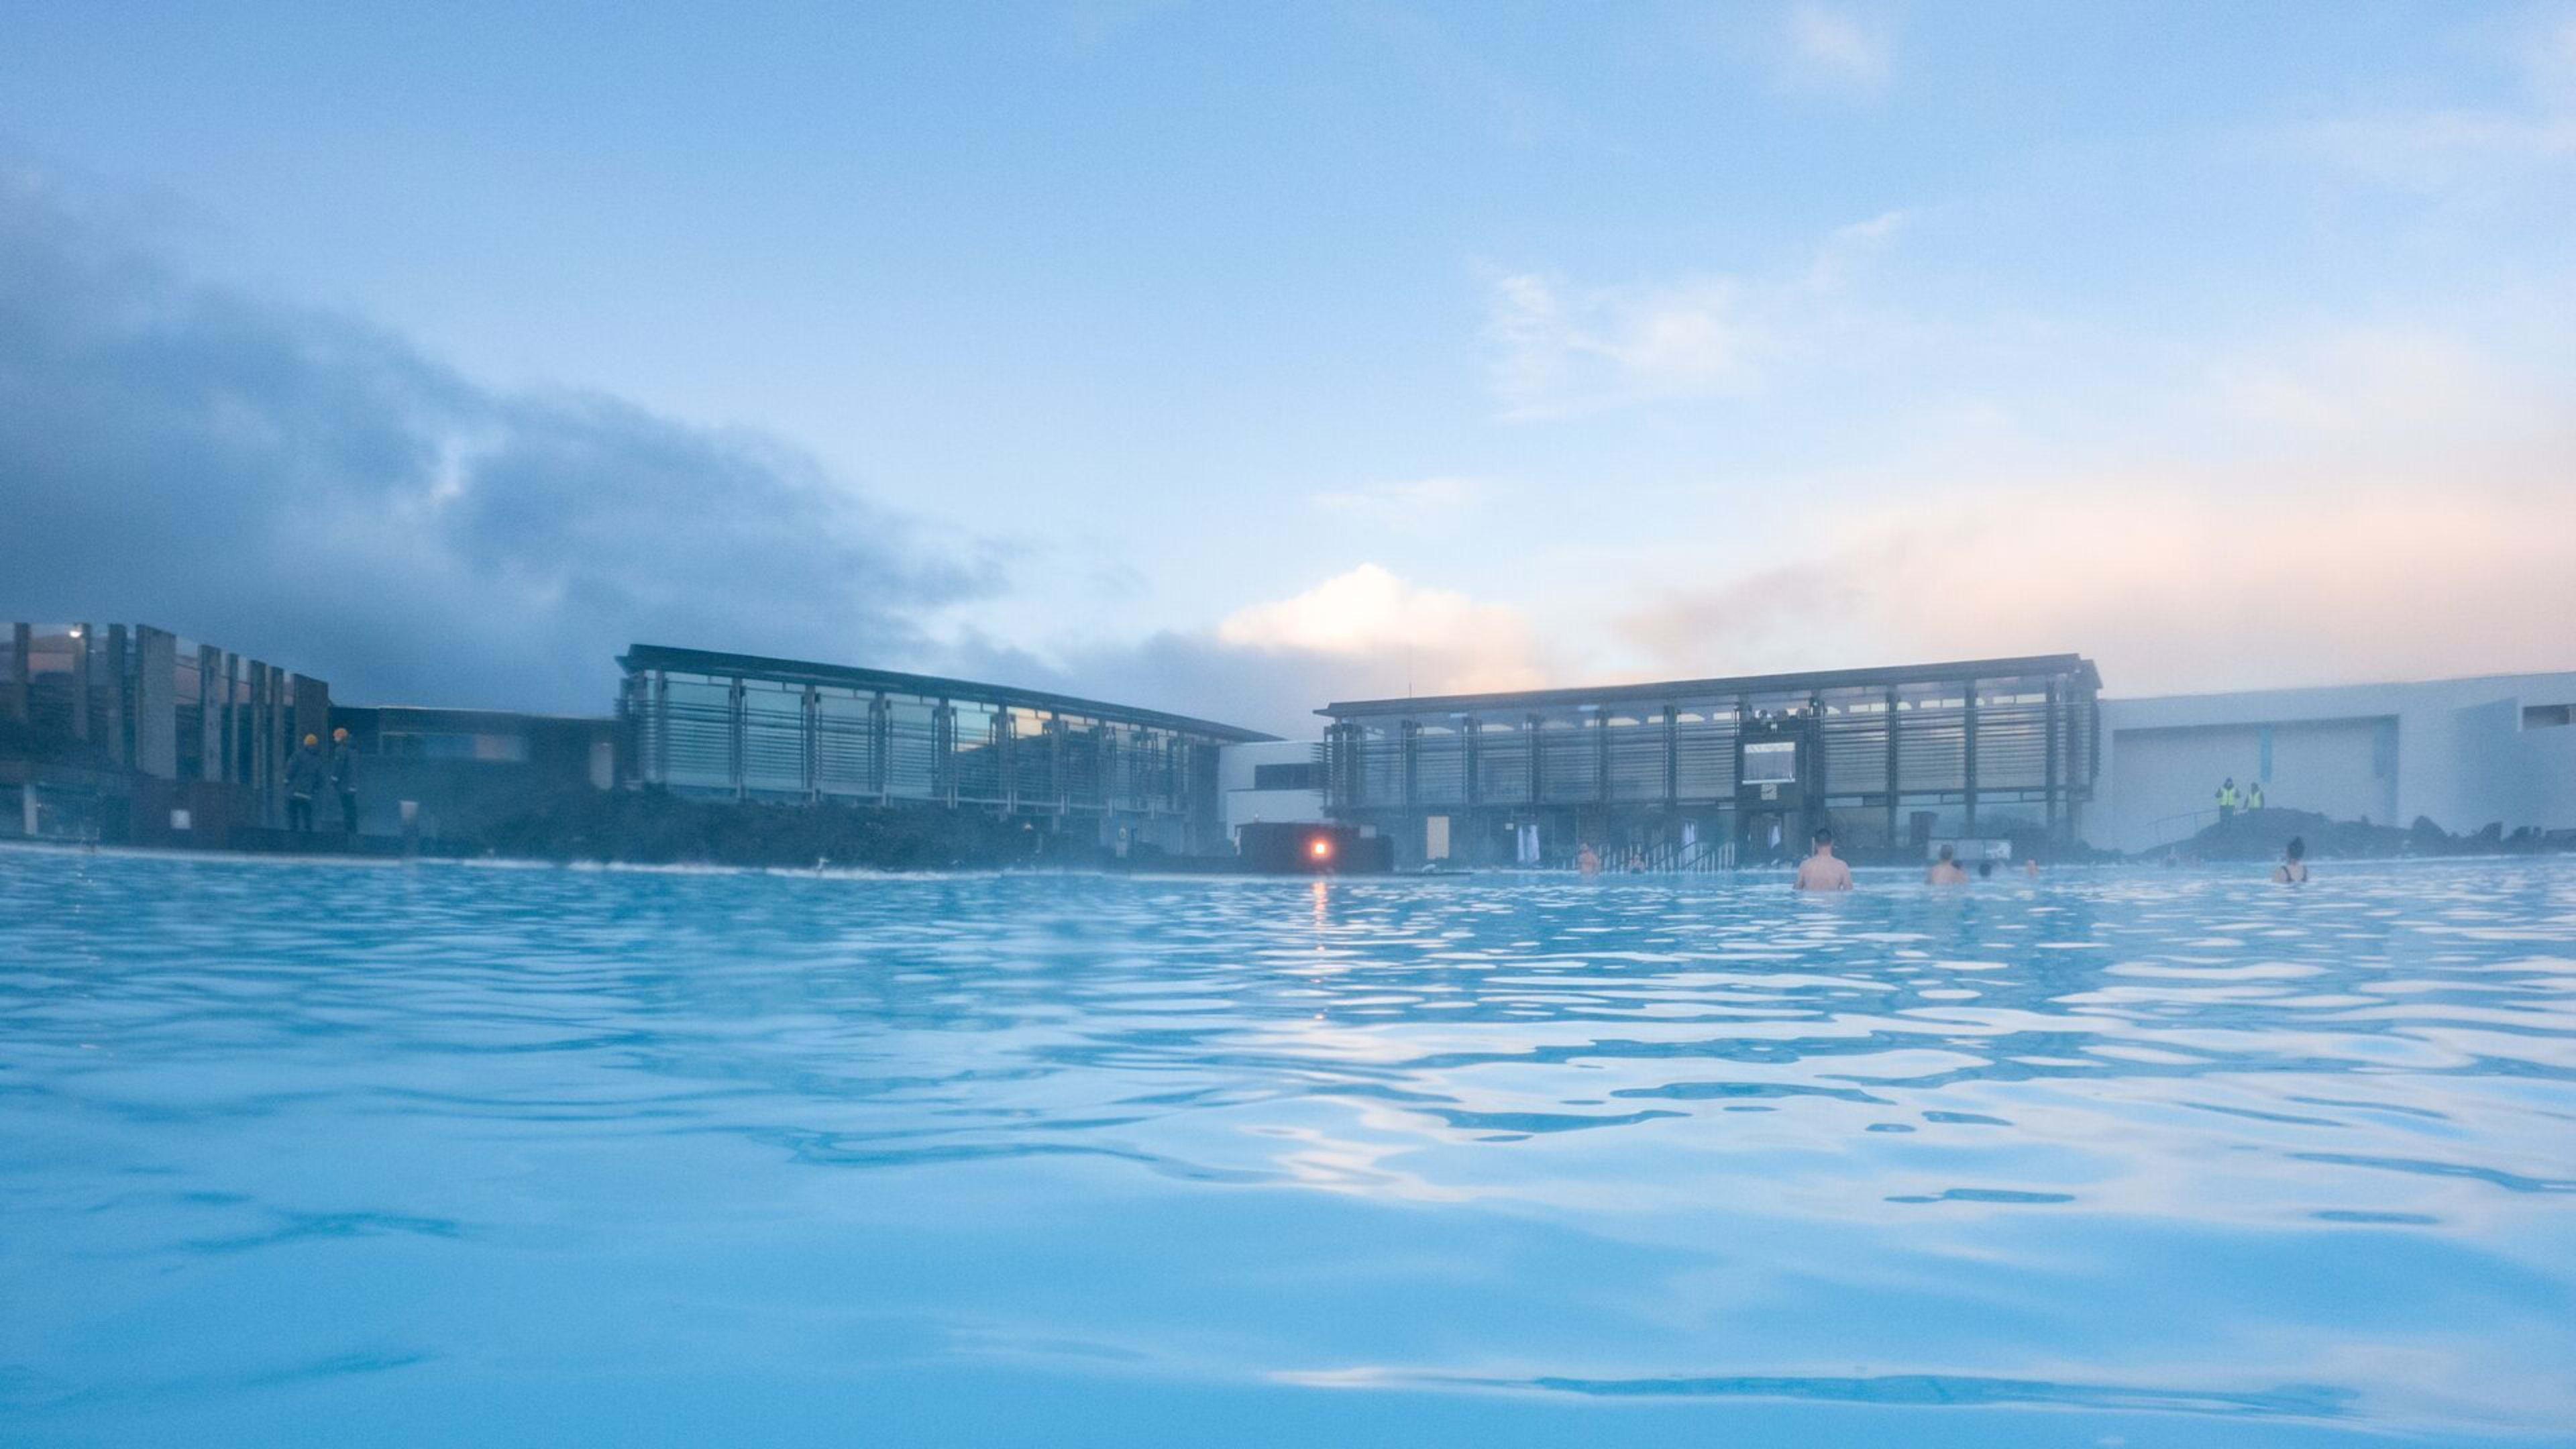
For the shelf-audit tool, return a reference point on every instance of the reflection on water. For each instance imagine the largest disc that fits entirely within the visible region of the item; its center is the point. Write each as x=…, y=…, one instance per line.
x=295, y=1148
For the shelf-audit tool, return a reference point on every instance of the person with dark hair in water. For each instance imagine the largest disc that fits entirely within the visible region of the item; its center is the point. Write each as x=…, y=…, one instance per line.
x=2293, y=869
x=1822, y=870
x=1946, y=871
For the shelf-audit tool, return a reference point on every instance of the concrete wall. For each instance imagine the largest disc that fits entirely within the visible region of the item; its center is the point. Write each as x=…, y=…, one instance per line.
x=156, y=719
x=2456, y=751
x=2164, y=779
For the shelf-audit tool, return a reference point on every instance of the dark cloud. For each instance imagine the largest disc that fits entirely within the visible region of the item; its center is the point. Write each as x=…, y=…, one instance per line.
x=313, y=490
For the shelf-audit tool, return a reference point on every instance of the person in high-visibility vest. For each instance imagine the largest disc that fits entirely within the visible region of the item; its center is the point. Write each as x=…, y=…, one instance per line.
x=2227, y=800
x=2254, y=795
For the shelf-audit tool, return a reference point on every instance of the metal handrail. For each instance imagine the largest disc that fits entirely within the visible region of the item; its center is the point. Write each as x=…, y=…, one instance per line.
x=2192, y=817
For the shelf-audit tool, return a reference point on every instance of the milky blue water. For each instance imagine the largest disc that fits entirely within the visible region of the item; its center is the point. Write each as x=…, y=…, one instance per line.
x=442, y=1154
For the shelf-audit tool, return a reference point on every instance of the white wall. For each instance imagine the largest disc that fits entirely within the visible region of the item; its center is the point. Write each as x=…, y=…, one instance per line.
x=2454, y=750
x=1244, y=804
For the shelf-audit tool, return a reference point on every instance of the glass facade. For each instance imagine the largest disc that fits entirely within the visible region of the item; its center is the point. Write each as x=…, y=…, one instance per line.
x=1693, y=773
x=740, y=727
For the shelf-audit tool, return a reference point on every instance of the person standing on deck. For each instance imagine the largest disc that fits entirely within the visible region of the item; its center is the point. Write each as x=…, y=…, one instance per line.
x=2227, y=800
x=1822, y=870
x=303, y=781
x=344, y=779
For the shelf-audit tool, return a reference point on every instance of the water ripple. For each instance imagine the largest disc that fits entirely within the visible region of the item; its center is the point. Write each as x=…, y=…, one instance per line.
x=2052, y=1145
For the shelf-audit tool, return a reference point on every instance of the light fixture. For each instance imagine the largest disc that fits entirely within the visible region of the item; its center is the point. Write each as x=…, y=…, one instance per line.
x=1322, y=849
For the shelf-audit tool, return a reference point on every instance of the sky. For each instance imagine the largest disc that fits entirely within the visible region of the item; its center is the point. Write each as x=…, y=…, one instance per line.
x=1234, y=358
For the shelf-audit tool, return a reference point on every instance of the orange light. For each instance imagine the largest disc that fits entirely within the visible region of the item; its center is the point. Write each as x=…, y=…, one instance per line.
x=1322, y=848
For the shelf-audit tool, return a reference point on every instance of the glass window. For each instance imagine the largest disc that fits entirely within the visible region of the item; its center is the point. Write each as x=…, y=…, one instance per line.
x=1770, y=762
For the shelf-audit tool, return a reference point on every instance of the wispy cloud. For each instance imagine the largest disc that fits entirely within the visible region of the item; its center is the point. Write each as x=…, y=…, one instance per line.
x=2379, y=503
x=1837, y=49
x=2175, y=580
x=1417, y=506
x=2434, y=147
x=1556, y=347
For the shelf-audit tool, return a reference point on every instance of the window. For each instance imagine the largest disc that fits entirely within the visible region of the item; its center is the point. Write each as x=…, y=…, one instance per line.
x=453, y=745
x=2547, y=716
x=1770, y=762
x=1301, y=776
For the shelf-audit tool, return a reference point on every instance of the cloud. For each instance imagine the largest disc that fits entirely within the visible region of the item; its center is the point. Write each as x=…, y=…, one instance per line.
x=1829, y=48
x=314, y=490
x=1419, y=506
x=1456, y=643
x=2179, y=577
x=1362, y=634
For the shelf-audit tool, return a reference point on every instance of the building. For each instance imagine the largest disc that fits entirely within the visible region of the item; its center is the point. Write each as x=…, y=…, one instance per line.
x=743, y=727
x=2462, y=753
x=459, y=770
x=1697, y=774
x=1270, y=782
x=131, y=733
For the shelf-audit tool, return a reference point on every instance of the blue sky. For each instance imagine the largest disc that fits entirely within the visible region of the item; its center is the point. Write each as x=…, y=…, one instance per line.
x=1204, y=351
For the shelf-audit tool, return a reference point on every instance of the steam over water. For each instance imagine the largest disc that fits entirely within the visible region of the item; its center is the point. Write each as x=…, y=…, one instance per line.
x=314, y=1153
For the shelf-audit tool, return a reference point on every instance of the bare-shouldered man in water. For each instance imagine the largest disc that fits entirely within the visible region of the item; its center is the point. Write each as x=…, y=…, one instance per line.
x=1822, y=870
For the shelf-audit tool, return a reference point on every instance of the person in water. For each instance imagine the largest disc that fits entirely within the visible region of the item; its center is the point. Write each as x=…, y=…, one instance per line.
x=1822, y=870
x=1945, y=871
x=2293, y=869
x=1587, y=861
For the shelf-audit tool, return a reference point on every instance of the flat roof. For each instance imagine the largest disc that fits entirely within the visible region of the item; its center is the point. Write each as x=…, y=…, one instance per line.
x=1660, y=690
x=802, y=671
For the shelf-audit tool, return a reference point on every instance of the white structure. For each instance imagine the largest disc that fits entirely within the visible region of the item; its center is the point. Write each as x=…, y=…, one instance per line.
x=1270, y=780
x=2463, y=752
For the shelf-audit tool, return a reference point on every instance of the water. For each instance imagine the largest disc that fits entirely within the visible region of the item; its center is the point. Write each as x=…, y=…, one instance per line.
x=324, y=1154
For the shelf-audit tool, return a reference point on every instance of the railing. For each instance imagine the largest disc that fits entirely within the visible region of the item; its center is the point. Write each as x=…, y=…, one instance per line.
x=1664, y=857
x=2191, y=825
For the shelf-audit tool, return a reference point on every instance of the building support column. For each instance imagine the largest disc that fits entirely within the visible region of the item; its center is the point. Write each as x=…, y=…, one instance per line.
x=80, y=682
x=1895, y=807
x=1968, y=736
x=116, y=730
x=2051, y=788
x=13, y=688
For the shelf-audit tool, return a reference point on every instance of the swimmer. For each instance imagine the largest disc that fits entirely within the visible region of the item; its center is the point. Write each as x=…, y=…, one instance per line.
x=2293, y=869
x=1946, y=871
x=1822, y=870
x=2030, y=867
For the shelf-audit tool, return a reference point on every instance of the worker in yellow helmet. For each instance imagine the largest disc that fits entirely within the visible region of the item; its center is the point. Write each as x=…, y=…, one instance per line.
x=303, y=782
x=344, y=780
